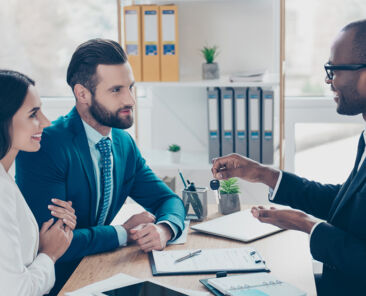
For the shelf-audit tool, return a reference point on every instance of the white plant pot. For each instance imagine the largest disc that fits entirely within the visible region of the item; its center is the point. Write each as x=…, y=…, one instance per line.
x=175, y=157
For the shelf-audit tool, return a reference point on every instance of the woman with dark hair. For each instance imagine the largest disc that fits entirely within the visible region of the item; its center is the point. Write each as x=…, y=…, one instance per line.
x=27, y=255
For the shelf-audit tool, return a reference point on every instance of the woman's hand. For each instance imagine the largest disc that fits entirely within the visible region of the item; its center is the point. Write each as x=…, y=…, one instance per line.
x=54, y=239
x=64, y=211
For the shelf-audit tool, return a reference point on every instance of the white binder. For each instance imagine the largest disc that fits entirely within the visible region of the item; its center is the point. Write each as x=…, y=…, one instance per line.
x=214, y=135
x=254, y=115
x=267, y=127
x=227, y=122
x=240, y=118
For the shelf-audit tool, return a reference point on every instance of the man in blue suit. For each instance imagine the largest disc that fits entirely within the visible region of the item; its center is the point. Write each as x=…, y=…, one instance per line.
x=339, y=239
x=87, y=158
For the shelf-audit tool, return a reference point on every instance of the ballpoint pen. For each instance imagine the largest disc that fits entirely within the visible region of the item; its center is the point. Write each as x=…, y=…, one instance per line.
x=189, y=255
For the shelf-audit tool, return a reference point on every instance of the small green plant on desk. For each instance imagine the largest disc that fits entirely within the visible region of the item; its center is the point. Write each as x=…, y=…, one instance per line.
x=229, y=201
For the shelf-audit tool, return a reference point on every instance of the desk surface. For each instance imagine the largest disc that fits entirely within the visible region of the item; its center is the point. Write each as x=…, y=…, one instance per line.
x=287, y=255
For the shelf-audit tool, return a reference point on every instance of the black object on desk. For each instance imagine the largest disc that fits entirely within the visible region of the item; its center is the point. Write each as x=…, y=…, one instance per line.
x=194, y=200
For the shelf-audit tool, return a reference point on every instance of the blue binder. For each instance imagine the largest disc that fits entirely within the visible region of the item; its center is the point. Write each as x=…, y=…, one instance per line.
x=254, y=116
x=240, y=119
x=214, y=133
x=227, y=121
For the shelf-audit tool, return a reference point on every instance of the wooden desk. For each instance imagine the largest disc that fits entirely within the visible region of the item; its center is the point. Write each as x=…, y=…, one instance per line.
x=287, y=255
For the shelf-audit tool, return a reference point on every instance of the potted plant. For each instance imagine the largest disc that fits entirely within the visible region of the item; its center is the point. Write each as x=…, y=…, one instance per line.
x=174, y=150
x=229, y=201
x=210, y=69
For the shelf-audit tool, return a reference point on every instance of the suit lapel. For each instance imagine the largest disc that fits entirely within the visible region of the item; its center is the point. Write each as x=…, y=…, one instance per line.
x=82, y=149
x=353, y=182
x=357, y=181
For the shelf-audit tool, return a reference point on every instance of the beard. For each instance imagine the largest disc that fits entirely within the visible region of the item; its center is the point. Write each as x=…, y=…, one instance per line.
x=108, y=118
x=350, y=101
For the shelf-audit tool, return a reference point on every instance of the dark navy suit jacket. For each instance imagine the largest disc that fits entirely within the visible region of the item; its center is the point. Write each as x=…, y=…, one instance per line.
x=340, y=242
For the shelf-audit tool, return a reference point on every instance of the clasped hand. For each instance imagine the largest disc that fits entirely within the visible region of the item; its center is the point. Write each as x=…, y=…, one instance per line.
x=149, y=236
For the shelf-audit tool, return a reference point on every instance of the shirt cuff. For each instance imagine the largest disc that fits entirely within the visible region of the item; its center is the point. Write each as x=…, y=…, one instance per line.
x=122, y=235
x=173, y=228
x=272, y=192
x=312, y=229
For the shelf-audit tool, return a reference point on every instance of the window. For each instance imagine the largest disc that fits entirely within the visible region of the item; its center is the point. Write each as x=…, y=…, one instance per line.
x=38, y=37
x=311, y=27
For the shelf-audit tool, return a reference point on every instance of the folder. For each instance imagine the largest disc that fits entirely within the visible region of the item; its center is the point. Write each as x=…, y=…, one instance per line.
x=214, y=135
x=227, y=121
x=254, y=115
x=150, y=43
x=169, y=43
x=240, y=118
x=267, y=127
x=231, y=260
x=132, y=31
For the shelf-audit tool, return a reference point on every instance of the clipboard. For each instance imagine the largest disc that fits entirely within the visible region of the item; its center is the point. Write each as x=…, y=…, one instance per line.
x=256, y=259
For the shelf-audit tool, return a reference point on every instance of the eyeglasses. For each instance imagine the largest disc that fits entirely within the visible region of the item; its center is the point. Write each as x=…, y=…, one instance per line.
x=329, y=69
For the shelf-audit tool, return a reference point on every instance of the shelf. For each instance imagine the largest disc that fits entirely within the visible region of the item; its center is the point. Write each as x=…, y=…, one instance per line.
x=160, y=159
x=224, y=82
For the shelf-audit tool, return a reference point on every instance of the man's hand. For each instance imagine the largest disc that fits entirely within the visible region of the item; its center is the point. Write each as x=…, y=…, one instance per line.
x=285, y=219
x=235, y=165
x=137, y=219
x=151, y=236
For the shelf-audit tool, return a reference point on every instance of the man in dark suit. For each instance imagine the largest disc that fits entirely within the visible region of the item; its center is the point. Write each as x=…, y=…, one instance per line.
x=339, y=241
x=86, y=157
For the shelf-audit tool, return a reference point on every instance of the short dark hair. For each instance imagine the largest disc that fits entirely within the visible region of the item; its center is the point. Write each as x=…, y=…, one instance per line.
x=88, y=56
x=359, y=41
x=13, y=90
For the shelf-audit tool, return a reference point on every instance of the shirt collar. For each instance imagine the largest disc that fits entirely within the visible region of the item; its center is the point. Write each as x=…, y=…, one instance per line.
x=93, y=135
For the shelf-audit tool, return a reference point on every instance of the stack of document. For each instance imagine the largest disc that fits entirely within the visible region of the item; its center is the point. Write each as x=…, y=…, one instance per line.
x=248, y=76
x=262, y=284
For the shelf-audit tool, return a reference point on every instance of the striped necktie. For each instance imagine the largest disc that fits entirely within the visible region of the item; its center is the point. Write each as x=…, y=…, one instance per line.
x=104, y=147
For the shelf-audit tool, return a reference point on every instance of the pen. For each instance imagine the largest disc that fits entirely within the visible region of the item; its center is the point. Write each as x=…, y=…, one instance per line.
x=181, y=176
x=190, y=255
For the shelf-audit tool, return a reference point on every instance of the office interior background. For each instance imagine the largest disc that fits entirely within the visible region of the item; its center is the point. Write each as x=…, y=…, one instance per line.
x=38, y=38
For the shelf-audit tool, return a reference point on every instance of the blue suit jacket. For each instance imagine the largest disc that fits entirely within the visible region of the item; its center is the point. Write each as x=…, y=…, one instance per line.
x=63, y=169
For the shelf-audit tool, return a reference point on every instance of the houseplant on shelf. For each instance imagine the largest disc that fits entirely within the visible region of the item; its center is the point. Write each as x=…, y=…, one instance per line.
x=210, y=69
x=174, y=150
x=229, y=201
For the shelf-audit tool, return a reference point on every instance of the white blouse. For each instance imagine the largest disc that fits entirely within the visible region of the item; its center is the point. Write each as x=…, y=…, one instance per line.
x=22, y=270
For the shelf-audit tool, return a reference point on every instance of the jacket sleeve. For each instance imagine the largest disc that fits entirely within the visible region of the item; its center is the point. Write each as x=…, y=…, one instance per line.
x=311, y=197
x=41, y=178
x=15, y=278
x=340, y=250
x=154, y=195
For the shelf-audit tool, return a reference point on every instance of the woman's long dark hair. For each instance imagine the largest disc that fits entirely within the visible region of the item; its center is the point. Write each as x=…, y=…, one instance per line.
x=13, y=90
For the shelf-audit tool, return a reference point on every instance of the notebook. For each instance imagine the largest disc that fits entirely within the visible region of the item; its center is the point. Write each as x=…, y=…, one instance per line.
x=255, y=284
x=240, y=226
x=208, y=261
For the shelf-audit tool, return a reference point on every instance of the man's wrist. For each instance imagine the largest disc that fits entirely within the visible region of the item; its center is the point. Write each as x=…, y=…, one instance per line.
x=268, y=176
x=308, y=225
x=168, y=231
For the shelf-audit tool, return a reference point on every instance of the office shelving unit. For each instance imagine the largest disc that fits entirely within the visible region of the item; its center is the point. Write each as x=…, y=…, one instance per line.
x=214, y=13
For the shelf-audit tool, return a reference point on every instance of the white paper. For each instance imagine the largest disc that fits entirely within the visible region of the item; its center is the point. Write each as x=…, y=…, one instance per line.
x=208, y=260
x=131, y=27
x=168, y=27
x=151, y=27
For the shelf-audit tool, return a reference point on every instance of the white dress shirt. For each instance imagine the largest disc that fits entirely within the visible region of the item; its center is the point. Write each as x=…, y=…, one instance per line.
x=94, y=137
x=23, y=272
